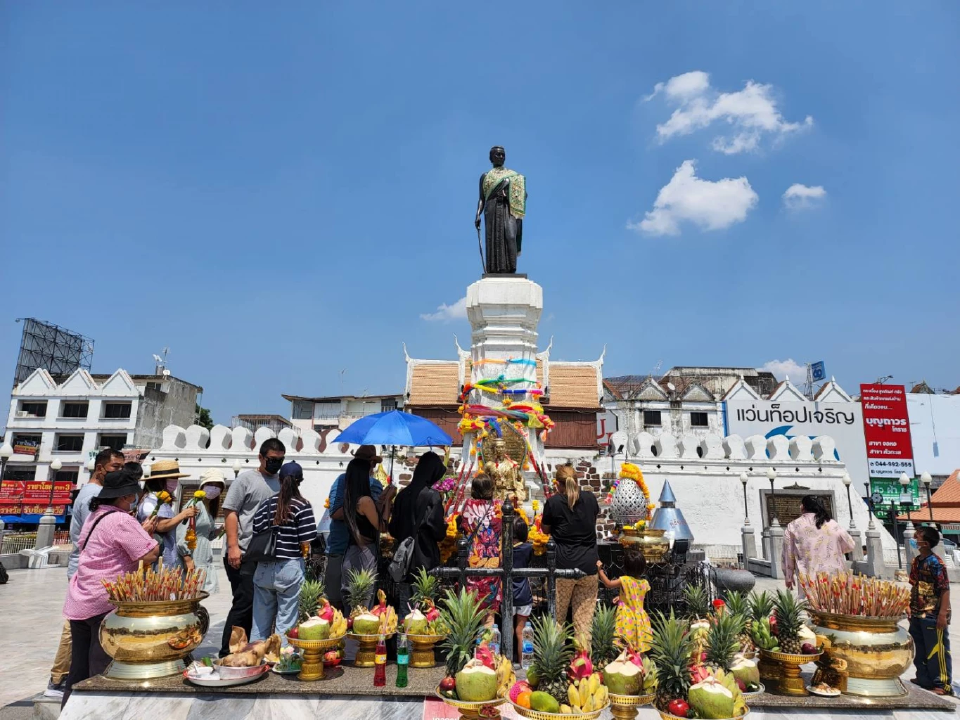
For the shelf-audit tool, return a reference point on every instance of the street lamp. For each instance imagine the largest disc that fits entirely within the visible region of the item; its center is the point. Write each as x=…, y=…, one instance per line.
x=54, y=469
x=870, y=507
x=237, y=467
x=746, y=512
x=772, y=477
x=927, y=481
x=846, y=482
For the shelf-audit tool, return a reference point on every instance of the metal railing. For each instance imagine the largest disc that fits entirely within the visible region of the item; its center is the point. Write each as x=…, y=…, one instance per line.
x=14, y=542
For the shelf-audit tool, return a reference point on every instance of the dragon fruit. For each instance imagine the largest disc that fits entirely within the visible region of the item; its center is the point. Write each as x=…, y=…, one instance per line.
x=430, y=611
x=326, y=612
x=485, y=655
x=516, y=689
x=580, y=667
x=381, y=607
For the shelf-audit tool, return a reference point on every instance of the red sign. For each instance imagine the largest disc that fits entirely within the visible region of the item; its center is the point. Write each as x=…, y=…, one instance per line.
x=886, y=427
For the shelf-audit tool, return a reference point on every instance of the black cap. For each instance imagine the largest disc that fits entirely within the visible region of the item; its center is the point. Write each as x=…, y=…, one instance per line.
x=117, y=484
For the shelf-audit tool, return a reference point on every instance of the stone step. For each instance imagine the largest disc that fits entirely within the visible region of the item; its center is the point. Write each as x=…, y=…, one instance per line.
x=45, y=708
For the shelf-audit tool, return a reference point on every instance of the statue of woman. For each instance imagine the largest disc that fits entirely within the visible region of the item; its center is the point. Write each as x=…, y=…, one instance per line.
x=503, y=200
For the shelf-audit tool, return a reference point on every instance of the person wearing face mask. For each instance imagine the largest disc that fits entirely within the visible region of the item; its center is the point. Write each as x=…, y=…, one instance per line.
x=205, y=526
x=165, y=476
x=112, y=543
x=244, y=496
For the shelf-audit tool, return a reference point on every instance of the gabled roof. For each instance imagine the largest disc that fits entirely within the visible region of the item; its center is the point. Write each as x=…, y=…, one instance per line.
x=948, y=494
x=39, y=382
x=922, y=388
x=787, y=391
x=831, y=392
x=741, y=390
x=695, y=392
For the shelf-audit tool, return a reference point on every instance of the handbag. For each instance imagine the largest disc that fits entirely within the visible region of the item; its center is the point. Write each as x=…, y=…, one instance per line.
x=403, y=556
x=263, y=545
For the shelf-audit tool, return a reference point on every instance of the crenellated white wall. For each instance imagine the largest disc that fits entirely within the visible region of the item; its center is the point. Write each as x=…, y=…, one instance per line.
x=708, y=488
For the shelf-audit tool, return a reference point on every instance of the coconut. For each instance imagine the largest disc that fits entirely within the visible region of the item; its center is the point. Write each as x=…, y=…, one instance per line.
x=712, y=700
x=314, y=629
x=746, y=670
x=366, y=624
x=476, y=682
x=415, y=623
x=622, y=677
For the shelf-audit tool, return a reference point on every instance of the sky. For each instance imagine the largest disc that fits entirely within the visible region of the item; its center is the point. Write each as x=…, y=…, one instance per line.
x=283, y=193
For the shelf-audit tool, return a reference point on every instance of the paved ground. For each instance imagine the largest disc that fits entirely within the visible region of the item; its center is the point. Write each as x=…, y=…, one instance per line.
x=30, y=624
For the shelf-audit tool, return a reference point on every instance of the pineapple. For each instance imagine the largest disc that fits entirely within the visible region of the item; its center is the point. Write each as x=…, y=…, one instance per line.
x=789, y=613
x=698, y=604
x=603, y=648
x=311, y=591
x=360, y=585
x=670, y=653
x=552, y=652
x=425, y=587
x=464, y=618
x=738, y=607
x=722, y=641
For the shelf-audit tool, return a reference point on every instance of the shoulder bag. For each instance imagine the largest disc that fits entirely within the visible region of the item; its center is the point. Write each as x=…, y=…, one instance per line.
x=263, y=545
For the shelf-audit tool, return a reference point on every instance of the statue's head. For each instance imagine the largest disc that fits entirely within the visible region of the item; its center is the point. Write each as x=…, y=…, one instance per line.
x=499, y=449
x=498, y=155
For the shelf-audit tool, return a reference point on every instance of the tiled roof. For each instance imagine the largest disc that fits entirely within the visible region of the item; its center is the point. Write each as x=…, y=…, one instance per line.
x=940, y=515
x=573, y=386
x=948, y=494
x=435, y=383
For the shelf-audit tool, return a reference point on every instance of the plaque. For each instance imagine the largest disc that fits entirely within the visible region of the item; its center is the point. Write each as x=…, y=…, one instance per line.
x=788, y=505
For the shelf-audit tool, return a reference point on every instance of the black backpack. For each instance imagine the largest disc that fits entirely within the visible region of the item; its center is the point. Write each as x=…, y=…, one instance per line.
x=3, y=575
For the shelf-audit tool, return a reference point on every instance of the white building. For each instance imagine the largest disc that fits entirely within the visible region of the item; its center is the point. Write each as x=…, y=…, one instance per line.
x=71, y=420
x=322, y=414
x=935, y=433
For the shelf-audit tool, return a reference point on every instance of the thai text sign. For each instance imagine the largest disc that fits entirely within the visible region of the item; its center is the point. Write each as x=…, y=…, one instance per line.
x=886, y=427
x=890, y=490
x=841, y=421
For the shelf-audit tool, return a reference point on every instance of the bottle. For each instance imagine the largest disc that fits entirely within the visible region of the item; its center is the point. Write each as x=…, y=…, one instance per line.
x=526, y=649
x=380, y=662
x=495, y=640
x=403, y=659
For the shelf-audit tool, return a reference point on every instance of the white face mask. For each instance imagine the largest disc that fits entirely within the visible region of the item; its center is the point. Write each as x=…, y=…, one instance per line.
x=212, y=491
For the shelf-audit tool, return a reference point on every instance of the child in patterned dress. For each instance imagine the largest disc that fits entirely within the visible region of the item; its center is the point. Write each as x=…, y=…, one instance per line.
x=633, y=623
x=930, y=616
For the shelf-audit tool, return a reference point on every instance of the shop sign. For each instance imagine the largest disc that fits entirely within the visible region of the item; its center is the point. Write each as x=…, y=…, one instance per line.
x=23, y=446
x=889, y=491
x=886, y=427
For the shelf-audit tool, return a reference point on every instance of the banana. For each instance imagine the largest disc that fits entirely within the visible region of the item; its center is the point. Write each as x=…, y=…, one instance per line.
x=588, y=706
x=577, y=710
x=600, y=697
x=573, y=696
x=584, y=693
x=566, y=710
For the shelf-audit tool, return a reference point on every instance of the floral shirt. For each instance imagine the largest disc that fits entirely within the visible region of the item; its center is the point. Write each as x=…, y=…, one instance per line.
x=482, y=520
x=928, y=580
x=808, y=550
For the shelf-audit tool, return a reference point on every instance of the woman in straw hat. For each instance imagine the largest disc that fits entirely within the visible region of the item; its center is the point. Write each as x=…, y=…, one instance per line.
x=205, y=525
x=164, y=477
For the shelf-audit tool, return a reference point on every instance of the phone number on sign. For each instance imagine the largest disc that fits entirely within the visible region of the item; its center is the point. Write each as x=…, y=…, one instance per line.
x=890, y=468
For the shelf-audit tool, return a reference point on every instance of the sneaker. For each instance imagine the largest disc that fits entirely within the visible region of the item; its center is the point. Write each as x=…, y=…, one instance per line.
x=55, y=691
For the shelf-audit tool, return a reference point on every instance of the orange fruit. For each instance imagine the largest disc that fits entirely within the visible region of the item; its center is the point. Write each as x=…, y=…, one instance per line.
x=523, y=699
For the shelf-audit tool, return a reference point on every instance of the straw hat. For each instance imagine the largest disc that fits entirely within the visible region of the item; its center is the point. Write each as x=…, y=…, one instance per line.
x=166, y=470
x=212, y=476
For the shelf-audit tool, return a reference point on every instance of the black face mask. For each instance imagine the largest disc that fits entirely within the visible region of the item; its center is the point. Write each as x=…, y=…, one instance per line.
x=273, y=465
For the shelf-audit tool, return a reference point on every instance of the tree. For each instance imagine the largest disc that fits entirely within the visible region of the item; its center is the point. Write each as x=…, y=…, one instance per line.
x=203, y=417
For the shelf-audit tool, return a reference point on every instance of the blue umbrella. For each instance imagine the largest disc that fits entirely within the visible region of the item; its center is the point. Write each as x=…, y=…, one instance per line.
x=394, y=428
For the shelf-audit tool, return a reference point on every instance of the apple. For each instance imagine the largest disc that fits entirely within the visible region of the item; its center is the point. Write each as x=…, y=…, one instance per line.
x=448, y=683
x=808, y=649
x=742, y=685
x=331, y=658
x=678, y=707
x=294, y=633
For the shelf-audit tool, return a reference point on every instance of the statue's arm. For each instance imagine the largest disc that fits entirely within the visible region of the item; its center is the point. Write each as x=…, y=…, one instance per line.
x=476, y=221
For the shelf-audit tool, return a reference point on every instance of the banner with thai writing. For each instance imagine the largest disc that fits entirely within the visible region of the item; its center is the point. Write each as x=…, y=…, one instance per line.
x=841, y=421
x=886, y=426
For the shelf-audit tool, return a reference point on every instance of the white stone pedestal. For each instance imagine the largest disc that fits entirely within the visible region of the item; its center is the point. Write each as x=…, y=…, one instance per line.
x=504, y=312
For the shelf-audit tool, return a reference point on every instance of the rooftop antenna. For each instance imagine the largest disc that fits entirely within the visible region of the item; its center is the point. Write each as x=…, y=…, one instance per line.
x=161, y=363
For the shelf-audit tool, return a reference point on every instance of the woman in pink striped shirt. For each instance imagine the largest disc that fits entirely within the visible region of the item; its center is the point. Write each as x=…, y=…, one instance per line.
x=112, y=543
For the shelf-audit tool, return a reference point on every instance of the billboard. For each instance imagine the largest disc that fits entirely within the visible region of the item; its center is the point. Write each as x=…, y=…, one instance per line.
x=841, y=421
x=886, y=427
x=55, y=349
x=26, y=500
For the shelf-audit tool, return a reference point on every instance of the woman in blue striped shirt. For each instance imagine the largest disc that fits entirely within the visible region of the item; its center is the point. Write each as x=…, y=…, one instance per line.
x=276, y=585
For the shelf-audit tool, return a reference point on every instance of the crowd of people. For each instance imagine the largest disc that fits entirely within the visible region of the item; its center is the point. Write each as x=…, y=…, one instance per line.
x=118, y=524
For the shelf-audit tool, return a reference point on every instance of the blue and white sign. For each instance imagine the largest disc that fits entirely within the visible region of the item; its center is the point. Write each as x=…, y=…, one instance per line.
x=818, y=372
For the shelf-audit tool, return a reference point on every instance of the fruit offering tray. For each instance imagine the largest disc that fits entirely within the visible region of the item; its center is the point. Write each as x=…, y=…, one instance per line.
x=540, y=715
x=472, y=709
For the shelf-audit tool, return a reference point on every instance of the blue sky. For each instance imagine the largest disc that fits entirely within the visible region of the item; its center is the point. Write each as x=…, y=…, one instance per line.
x=279, y=192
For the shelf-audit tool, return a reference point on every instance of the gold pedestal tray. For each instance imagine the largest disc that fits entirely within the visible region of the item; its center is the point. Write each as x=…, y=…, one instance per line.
x=624, y=707
x=651, y=543
x=538, y=715
x=471, y=710
x=367, y=652
x=422, y=655
x=783, y=671
x=312, y=666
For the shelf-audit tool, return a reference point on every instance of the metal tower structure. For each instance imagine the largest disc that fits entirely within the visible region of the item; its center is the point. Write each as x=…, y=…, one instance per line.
x=55, y=349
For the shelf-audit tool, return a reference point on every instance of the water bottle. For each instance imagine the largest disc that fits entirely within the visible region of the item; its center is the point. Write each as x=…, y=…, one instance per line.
x=495, y=640
x=526, y=649
x=403, y=659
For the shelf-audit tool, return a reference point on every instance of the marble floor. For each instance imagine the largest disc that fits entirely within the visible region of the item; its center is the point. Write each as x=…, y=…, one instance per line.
x=31, y=621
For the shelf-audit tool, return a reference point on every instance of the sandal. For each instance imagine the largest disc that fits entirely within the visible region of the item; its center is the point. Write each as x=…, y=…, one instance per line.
x=942, y=691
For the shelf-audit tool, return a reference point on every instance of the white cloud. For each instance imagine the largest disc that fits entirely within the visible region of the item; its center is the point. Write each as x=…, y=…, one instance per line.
x=783, y=369
x=799, y=197
x=710, y=205
x=750, y=112
x=446, y=313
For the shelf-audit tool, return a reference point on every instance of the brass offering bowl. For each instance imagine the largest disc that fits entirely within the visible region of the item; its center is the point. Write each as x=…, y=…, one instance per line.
x=877, y=651
x=367, y=652
x=311, y=667
x=624, y=707
x=783, y=669
x=664, y=715
x=151, y=639
x=651, y=543
x=471, y=710
x=422, y=655
x=539, y=715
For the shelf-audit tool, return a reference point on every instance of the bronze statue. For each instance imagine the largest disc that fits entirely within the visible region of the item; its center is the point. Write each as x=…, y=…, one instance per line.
x=505, y=473
x=503, y=201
